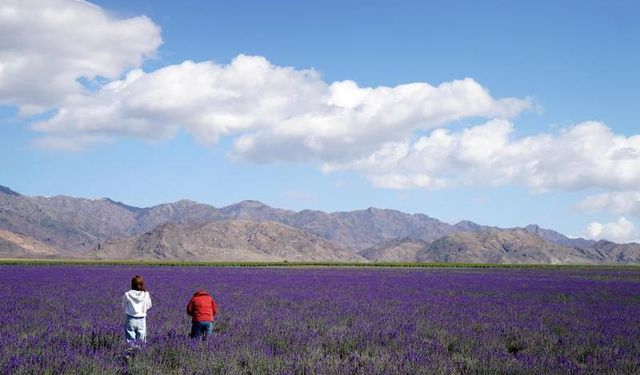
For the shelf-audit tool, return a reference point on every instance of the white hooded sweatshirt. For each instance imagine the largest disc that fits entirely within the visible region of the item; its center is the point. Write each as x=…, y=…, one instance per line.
x=136, y=303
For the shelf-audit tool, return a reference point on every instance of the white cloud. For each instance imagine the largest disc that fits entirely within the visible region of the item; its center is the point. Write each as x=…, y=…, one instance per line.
x=588, y=155
x=625, y=202
x=277, y=113
x=620, y=231
x=47, y=45
x=285, y=114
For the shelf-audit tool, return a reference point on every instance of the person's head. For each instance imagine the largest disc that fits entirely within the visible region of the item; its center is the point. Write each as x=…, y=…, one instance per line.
x=137, y=283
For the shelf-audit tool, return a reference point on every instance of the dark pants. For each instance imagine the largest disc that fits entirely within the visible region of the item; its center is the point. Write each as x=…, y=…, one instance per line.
x=201, y=329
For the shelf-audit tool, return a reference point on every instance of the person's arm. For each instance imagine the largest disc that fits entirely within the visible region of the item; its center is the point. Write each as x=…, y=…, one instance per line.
x=149, y=304
x=190, y=308
x=214, y=308
x=124, y=303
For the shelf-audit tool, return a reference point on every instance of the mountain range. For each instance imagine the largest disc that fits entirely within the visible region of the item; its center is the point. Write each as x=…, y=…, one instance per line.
x=67, y=227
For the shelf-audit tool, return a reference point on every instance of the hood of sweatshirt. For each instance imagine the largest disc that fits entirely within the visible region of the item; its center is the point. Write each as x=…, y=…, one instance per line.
x=136, y=296
x=200, y=292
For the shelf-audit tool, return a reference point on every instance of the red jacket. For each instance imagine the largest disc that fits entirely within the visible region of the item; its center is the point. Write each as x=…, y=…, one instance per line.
x=202, y=307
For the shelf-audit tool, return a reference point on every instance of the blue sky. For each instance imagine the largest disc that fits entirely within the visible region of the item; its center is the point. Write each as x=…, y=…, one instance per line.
x=542, y=131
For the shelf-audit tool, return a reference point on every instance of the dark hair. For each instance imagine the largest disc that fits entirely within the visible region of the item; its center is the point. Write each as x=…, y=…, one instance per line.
x=137, y=283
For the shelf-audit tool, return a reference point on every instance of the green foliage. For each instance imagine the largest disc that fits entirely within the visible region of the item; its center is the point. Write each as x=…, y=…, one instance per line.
x=178, y=263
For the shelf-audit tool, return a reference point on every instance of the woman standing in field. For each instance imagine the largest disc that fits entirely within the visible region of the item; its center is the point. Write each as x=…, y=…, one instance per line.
x=135, y=304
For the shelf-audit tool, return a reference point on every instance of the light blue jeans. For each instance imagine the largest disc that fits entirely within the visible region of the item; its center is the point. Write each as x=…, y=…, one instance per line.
x=135, y=329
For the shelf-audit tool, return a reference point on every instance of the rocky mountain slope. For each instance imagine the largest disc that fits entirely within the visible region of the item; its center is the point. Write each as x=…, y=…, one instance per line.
x=71, y=227
x=75, y=224
x=180, y=212
x=16, y=245
x=29, y=217
x=356, y=230
x=226, y=240
x=502, y=246
x=628, y=253
x=397, y=250
x=558, y=238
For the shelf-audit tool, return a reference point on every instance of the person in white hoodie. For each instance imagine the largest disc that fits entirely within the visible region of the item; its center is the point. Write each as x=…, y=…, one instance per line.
x=135, y=304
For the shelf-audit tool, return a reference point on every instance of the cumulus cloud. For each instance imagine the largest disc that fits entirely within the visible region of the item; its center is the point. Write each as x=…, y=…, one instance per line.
x=283, y=114
x=624, y=202
x=277, y=113
x=587, y=155
x=620, y=231
x=46, y=46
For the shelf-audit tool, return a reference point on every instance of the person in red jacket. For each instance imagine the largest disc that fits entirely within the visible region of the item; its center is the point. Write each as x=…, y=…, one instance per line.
x=202, y=308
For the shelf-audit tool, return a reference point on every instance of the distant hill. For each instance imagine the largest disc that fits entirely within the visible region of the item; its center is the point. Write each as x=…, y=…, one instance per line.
x=7, y=191
x=628, y=253
x=73, y=227
x=254, y=210
x=397, y=250
x=132, y=209
x=76, y=224
x=180, y=212
x=355, y=230
x=470, y=226
x=502, y=246
x=97, y=218
x=51, y=224
x=558, y=238
x=227, y=240
x=364, y=228
x=496, y=246
x=15, y=245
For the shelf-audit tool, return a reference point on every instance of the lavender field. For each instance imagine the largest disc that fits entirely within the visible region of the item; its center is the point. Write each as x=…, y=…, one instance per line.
x=67, y=319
